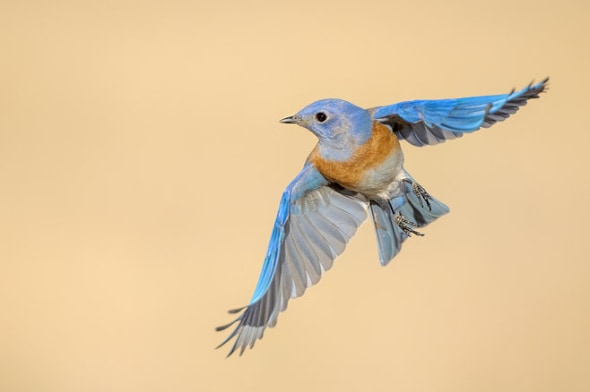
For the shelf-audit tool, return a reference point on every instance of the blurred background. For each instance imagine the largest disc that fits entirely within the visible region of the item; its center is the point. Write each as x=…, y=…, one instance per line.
x=141, y=164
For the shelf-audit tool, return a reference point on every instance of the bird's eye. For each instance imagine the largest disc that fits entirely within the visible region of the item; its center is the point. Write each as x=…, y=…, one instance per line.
x=321, y=116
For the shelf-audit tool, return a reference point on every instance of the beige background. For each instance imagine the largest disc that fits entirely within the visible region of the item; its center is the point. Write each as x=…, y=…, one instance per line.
x=141, y=164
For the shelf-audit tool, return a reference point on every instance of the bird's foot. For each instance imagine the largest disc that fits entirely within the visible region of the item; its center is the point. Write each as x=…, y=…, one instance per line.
x=406, y=225
x=421, y=194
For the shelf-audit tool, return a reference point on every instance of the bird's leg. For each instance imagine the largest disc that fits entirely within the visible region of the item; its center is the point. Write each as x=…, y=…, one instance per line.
x=406, y=225
x=420, y=193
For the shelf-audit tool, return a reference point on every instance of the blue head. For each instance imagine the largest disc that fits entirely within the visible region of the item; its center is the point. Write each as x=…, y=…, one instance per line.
x=334, y=121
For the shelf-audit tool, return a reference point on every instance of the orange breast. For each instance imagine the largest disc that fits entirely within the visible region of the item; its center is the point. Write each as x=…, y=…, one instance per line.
x=370, y=155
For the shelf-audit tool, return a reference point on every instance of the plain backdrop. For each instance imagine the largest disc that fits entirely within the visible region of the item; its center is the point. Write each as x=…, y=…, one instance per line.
x=141, y=164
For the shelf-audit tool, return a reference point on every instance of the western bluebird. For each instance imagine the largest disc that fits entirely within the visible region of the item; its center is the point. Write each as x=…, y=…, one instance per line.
x=357, y=166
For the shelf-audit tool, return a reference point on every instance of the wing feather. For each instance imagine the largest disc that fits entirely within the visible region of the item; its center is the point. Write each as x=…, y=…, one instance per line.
x=429, y=122
x=312, y=228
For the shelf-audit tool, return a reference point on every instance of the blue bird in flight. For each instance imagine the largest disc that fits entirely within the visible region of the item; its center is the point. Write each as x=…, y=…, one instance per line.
x=357, y=167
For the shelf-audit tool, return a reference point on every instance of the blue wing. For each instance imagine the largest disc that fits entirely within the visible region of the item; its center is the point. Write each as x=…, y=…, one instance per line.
x=314, y=223
x=428, y=122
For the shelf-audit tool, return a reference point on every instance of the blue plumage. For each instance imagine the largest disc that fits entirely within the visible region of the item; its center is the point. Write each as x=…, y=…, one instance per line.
x=424, y=122
x=357, y=166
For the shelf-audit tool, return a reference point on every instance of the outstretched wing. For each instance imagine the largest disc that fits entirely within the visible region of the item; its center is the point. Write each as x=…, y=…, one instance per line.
x=314, y=223
x=428, y=122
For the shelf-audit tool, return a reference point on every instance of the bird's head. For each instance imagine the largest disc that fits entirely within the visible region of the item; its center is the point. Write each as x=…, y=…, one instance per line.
x=333, y=120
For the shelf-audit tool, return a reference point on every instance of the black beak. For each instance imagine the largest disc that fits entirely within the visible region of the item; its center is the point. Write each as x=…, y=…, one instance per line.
x=290, y=120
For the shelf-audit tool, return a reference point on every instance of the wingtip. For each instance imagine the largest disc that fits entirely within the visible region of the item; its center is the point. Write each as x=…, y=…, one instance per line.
x=543, y=85
x=226, y=326
x=232, y=350
x=228, y=339
x=236, y=310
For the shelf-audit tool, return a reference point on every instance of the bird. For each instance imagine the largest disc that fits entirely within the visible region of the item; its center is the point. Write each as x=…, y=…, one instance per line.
x=356, y=170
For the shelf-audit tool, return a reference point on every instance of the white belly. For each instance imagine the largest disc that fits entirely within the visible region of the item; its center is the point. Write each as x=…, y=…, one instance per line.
x=383, y=181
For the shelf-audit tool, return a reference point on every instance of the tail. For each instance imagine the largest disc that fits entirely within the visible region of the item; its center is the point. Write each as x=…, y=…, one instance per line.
x=394, y=219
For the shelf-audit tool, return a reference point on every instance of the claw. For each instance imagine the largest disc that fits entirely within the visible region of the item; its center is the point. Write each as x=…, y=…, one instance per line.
x=421, y=194
x=406, y=225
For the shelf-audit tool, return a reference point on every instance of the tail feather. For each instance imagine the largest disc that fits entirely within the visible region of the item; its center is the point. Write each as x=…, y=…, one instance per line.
x=418, y=211
x=390, y=235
